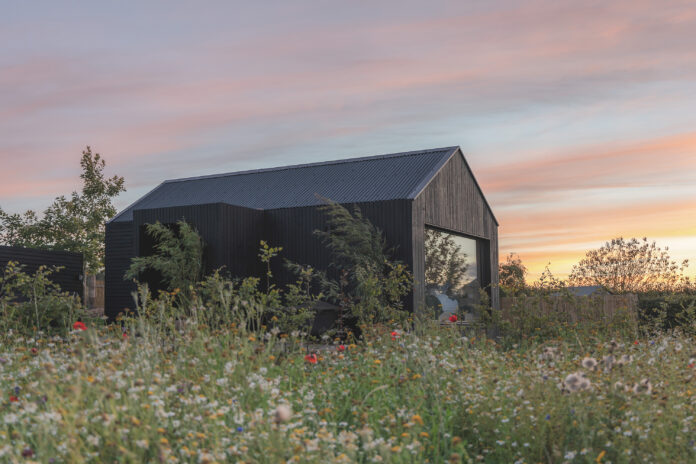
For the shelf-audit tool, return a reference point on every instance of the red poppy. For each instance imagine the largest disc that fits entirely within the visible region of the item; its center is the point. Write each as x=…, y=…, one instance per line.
x=13, y=399
x=125, y=335
x=341, y=348
x=636, y=342
x=453, y=318
x=395, y=335
x=692, y=365
x=79, y=326
x=311, y=358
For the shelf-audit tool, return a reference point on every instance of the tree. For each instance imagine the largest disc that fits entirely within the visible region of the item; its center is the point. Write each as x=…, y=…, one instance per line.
x=629, y=266
x=512, y=274
x=70, y=224
x=445, y=263
x=548, y=283
x=22, y=230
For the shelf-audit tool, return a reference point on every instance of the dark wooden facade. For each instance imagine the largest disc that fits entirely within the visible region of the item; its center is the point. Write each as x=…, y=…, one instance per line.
x=120, y=249
x=69, y=278
x=451, y=200
x=232, y=235
x=293, y=229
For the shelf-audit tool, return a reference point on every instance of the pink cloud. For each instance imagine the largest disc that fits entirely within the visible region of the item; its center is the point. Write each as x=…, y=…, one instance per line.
x=337, y=80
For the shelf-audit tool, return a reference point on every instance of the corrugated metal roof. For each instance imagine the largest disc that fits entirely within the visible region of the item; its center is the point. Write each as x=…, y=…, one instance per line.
x=375, y=178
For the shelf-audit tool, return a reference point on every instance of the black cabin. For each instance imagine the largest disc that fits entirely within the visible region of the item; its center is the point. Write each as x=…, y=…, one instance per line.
x=427, y=203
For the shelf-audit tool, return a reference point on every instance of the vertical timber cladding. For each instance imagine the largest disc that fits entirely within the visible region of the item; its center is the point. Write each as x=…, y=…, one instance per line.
x=231, y=233
x=120, y=249
x=453, y=201
x=241, y=231
x=69, y=278
x=293, y=229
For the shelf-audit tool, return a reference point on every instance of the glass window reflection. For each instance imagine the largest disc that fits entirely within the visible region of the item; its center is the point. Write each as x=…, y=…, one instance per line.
x=451, y=275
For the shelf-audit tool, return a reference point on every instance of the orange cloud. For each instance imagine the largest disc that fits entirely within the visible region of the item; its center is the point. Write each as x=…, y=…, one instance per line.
x=327, y=81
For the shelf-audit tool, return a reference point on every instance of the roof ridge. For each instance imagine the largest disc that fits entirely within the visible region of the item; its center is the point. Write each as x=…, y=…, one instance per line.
x=319, y=163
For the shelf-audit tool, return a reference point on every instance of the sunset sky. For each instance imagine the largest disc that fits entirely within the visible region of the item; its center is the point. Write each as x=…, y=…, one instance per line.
x=577, y=118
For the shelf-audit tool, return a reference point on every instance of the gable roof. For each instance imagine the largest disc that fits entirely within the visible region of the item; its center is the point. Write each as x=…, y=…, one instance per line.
x=375, y=178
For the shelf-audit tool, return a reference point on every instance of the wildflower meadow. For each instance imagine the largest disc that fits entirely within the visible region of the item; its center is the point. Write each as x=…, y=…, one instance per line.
x=215, y=369
x=429, y=394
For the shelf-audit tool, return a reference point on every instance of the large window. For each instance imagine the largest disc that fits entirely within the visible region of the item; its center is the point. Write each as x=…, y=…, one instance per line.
x=452, y=280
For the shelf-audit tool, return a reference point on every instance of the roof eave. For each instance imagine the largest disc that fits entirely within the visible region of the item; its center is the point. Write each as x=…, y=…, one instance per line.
x=134, y=204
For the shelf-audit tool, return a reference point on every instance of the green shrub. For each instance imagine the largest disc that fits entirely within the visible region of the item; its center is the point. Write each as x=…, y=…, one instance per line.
x=372, y=285
x=667, y=311
x=218, y=301
x=31, y=302
x=546, y=316
x=178, y=258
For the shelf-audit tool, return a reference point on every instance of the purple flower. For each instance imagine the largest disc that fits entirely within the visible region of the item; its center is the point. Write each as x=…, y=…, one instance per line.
x=548, y=417
x=240, y=429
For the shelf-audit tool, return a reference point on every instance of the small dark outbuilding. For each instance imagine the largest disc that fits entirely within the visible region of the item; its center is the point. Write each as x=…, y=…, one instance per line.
x=427, y=203
x=69, y=277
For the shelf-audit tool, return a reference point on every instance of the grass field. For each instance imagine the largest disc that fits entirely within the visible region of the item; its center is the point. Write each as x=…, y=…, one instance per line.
x=198, y=396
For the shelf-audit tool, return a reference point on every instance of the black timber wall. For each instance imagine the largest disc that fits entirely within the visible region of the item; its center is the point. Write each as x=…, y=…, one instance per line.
x=120, y=249
x=69, y=278
x=231, y=233
x=242, y=229
x=453, y=201
x=293, y=229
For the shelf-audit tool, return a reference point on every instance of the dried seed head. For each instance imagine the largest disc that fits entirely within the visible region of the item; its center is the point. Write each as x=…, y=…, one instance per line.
x=608, y=362
x=283, y=413
x=644, y=386
x=549, y=353
x=575, y=382
x=589, y=363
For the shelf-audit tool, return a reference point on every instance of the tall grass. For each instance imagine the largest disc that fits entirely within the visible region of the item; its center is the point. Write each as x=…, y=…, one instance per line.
x=189, y=393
